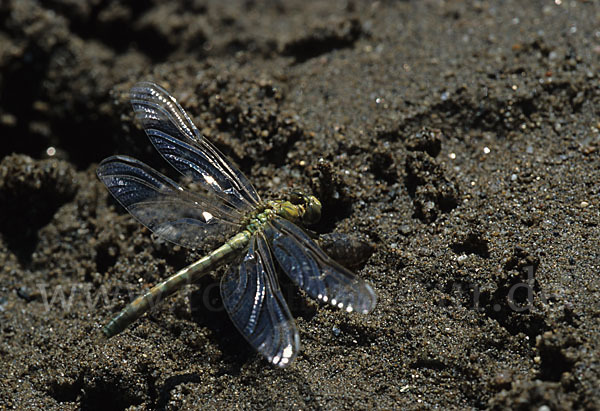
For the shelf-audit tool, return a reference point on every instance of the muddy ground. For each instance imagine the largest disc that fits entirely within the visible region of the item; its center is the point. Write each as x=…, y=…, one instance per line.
x=459, y=139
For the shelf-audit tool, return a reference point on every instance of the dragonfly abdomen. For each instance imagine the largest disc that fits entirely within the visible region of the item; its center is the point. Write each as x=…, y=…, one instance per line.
x=167, y=287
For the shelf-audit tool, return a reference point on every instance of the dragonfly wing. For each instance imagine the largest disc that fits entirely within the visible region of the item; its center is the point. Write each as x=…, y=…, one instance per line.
x=315, y=272
x=178, y=140
x=187, y=219
x=253, y=300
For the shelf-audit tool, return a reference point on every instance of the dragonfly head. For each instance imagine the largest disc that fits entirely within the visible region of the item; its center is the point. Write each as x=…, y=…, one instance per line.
x=309, y=205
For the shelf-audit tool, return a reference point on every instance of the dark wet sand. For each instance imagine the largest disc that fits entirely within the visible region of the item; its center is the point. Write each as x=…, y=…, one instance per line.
x=459, y=138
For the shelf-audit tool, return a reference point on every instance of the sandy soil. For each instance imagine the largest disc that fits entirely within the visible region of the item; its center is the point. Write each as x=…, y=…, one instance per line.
x=460, y=139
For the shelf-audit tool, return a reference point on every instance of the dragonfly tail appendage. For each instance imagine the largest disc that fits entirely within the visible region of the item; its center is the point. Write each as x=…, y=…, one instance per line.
x=188, y=275
x=145, y=302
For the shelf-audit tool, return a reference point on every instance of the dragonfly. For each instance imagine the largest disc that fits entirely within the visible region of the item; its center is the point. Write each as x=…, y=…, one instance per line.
x=256, y=235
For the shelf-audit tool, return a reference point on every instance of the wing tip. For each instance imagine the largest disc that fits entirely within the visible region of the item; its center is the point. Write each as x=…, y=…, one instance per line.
x=143, y=89
x=363, y=302
x=286, y=355
x=372, y=301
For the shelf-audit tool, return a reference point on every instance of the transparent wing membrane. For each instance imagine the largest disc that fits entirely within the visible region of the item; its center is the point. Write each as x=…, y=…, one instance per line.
x=187, y=219
x=317, y=274
x=253, y=300
x=175, y=136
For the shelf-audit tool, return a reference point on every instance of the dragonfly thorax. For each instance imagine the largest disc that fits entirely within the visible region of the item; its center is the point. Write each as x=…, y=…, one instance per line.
x=300, y=208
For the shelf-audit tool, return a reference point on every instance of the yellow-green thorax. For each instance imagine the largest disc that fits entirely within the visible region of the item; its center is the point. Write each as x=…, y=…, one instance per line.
x=300, y=208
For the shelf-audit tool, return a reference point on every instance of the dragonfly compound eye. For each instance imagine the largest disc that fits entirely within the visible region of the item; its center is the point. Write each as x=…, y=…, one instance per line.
x=312, y=212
